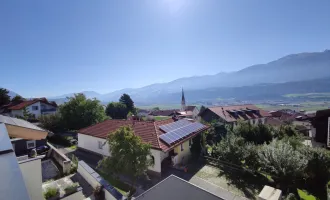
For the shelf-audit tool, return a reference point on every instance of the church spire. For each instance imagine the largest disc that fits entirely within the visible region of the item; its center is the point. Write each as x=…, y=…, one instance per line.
x=183, y=102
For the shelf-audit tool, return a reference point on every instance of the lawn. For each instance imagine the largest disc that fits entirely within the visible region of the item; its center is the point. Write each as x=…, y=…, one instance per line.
x=157, y=118
x=119, y=185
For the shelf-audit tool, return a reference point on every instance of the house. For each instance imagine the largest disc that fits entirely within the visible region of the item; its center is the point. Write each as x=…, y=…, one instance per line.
x=321, y=127
x=25, y=136
x=170, y=112
x=175, y=188
x=24, y=172
x=232, y=114
x=170, y=139
x=35, y=107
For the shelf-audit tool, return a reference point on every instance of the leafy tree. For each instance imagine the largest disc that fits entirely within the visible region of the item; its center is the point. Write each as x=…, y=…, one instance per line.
x=4, y=97
x=126, y=99
x=129, y=155
x=117, y=110
x=230, y=149
x=257, y=134
x=282, y=161
x=18, y=98
x=52, y=123
x=156, y=108
x=318, y=166
x=285, y=131
x=80, y=112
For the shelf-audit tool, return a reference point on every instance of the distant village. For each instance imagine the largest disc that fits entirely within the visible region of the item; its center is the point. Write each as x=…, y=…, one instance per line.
x=57, y=150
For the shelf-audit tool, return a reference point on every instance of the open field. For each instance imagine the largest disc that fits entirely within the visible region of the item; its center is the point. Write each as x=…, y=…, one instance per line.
x=307, y=106
x=309, y=95
x=160, y=106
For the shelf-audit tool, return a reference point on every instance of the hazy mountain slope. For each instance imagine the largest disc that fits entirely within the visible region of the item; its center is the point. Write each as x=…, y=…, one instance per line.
x=88, y=94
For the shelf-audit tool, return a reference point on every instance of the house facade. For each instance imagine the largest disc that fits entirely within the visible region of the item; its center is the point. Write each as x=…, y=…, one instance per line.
x=321, y=127
x=232, y=114
x=174, y=152
x=35, y=107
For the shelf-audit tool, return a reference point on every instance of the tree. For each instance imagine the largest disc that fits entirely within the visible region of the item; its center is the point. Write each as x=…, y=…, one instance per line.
x=80, y=112
x=282, y=161
x=52, y=122
x=117, y=110
x=318, y=167
x=126, y=99
x=230, y=149
x=129, y=155
x=258, y=134
x=155, y=108
x=18, y=98
x=4, y=97
x=196, y=146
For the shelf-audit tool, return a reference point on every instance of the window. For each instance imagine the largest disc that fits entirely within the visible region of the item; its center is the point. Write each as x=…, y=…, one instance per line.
x=153, y=159
x=182, y=147
x=34, y=107
x=190, y=142
x=100, y=144
x=31, y=144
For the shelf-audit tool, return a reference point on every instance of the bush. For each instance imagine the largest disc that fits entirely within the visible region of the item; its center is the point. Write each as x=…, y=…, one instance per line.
x=99, y=193
x=51, y=192
x=60, y=140
x=71, y=188
x=230, y=149
x=257, y=134
x=52, y=122
x=74, y=164
x=282, y=161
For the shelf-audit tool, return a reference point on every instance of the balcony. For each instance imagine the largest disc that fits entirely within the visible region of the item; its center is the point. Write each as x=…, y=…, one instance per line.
x=49, y=110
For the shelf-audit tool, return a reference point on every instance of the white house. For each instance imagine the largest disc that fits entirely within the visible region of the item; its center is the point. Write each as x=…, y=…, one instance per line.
x=36, y=107
x=173, y=151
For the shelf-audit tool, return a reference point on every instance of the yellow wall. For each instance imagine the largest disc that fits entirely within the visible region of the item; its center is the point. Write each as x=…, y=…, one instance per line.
x=183, y=156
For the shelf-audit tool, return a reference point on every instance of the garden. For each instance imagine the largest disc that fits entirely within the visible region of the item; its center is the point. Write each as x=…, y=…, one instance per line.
x=251, y=156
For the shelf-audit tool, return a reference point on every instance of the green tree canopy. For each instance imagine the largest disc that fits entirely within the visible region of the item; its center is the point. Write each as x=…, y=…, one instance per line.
x=52, y=122
x=18, y=98
x=258, y=134
x=126, y=99
x=129, y=154
x=117, y=110
x=80, y=112
x=4, y=97
x=282, y=161
x=155, y=108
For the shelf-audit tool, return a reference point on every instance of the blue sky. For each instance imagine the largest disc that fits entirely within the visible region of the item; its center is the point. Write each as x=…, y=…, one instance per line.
x=48, y=48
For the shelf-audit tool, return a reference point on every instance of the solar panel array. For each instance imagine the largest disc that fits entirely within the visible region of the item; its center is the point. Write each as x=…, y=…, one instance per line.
x=180, y=133
x=175, y=125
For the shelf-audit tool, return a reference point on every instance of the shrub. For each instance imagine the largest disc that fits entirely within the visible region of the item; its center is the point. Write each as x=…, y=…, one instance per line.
x=71, y=188
x=282, y=161
x=74, y=164
x=51, y=192
x=230, y=149
x=52, y=122
x=99, y=193
x=257, y=134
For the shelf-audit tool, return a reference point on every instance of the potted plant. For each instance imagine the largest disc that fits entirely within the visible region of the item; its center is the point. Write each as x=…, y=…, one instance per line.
x=99, y=193
x=72, y=188
x=52, y=193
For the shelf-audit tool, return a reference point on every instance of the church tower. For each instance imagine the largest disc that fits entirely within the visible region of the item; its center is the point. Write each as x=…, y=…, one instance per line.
x=183, y=102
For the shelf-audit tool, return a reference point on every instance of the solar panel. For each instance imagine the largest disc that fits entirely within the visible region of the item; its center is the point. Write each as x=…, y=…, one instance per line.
x=174, y=125
x=180, y=133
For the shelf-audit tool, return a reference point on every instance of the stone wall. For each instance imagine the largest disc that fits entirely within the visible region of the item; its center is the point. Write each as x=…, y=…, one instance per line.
x=60, y=158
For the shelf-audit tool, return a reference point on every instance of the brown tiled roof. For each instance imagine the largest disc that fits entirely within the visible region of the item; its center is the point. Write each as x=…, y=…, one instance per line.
x=222, y=112
x=273, y=121
x=149, y=131
x=162, y=112
x=30, y=102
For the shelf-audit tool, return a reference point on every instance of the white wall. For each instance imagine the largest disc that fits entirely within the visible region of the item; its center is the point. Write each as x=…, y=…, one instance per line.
x=91, y=143
x=15, y=113
x=31, y=171
x=37, y=113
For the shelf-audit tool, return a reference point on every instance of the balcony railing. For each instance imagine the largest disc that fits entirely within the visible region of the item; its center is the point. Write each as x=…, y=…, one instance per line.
x=48, y=110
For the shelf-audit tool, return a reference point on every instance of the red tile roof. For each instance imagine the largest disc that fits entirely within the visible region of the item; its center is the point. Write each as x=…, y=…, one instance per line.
x=163, y=112
x=222, y=112
x=190, y=108
x=148, y=130
x=30, y=102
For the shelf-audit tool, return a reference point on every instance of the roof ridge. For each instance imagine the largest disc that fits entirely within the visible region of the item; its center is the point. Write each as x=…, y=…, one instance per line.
x=155, y=125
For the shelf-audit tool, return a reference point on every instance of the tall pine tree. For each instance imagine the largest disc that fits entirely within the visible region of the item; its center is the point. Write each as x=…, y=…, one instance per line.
x=126, y=99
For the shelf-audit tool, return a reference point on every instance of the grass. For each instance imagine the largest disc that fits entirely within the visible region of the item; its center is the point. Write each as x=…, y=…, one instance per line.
x=303, y=106
x=161, y=106
x=305, y=196
x=157, y=118
x=309, y=95
x=119, y=185
x=73, y=147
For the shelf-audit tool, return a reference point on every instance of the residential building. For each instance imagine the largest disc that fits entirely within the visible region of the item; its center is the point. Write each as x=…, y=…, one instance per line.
x=169, y=112
x=20, y=176
x=165, y=147
x=232, y=114
x=175, y=188
x=35, y=107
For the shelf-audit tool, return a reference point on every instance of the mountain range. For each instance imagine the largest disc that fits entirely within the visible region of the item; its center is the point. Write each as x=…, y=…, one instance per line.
x=295, y=73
